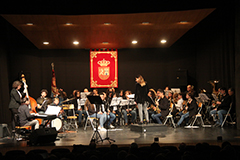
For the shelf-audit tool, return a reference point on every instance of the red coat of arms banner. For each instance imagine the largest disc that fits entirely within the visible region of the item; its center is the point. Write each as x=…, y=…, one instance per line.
x=103, y=69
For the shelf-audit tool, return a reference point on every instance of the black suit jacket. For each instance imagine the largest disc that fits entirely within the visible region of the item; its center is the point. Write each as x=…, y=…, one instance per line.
x=15, y=99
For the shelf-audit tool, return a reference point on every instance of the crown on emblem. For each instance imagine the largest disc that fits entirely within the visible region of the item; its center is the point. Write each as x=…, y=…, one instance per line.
x=103, y=62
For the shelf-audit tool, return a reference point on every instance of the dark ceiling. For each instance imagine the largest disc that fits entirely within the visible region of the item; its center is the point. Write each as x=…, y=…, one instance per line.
x=49, y=20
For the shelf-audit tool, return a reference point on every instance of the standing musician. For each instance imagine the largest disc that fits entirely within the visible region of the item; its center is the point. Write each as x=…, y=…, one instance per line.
x=141, y=91
x=25, y=116
x=43, y=101
x=16, y=98
x=191, y=108
x=222, y=107
x=162, y=104
x=94, y=111
x=128, y=109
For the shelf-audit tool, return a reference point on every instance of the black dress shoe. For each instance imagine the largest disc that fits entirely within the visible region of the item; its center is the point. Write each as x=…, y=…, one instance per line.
x=140, y=123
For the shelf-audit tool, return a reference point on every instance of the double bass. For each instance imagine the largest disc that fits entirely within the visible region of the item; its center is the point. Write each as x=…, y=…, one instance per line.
x=33, y=103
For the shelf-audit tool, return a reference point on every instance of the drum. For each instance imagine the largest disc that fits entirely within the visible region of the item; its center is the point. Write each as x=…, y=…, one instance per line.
x=57, y=123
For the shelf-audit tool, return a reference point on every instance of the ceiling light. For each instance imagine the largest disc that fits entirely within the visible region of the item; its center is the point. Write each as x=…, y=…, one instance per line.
x=107, y=23
x=45, y=43
x=134, y=42
x=183, y=22
x=145, y=23
x=163, y=41
x=105, y=42
x=29, y=24
x=68, y=24
x=76, y=42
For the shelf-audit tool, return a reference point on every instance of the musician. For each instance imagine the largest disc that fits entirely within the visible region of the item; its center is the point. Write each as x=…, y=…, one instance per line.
x=43, y=101
x=128, y=109
x=141, y=91
x=166, y=91
x=222, y=108
x=179, y=105
x=85, y=90
x=77, y=106
x=25, y=116
x=190, y=89
x=109, y=95
x=62, y=95
x=116, y=110
x=231, y=93
x=191, y=108
x=121, y=93
x=107, y=110
x=95, y=92
x=16, y=98
x=94, y=111
x=162, y=104
x=151, y=102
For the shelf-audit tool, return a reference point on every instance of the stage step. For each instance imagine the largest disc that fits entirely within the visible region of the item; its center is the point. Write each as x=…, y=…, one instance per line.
x=148, y=127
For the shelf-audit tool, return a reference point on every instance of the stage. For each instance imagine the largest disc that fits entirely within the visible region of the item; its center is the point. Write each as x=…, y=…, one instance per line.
x=124, y=137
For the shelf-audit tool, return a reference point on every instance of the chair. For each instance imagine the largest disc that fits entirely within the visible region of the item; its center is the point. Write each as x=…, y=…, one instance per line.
x=198, y=115
x=21, y=130
x=90, y=119
x=170, y=116
x=227, y=115
x=72, y=119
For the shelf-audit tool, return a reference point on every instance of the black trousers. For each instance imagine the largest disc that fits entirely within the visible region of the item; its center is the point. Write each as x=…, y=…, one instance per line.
x=14, y=112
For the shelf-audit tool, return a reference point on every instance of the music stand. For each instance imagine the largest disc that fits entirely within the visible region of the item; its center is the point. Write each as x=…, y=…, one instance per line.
x=107, y=138
x=97, y=101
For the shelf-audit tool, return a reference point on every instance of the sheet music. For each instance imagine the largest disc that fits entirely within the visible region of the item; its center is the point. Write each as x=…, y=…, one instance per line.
x=124, y=102
x=84, y=94
x=176, y=90
x=131, y=96
x=115, y=101
x=53, y=110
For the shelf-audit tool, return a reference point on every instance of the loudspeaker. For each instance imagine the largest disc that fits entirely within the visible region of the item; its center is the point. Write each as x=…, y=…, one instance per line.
x=182, y=77
x=43, y=136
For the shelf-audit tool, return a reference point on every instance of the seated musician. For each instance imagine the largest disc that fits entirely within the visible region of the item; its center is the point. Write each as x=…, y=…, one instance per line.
x=128, y=109
x=95, y=111
x=115, y=109
x=162, y=104
x=179, y=105
x=61, y=94
x=107, y=110
x=95, y=92
x=222, y=107
x=77, y=106
x=25, y=118
x=191, y=108
x=151, y=102
x=43, y=101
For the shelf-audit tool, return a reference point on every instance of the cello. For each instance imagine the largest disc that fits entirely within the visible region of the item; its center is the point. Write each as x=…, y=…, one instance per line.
x=33, y=103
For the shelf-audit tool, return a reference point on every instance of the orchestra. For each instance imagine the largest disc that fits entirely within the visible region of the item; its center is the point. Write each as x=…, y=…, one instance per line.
x=121, y=106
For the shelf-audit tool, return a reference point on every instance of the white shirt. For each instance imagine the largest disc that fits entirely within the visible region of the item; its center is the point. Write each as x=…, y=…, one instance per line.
x=179, y=104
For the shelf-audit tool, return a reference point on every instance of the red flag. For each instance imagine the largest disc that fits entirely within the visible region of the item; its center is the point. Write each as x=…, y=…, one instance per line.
x=54, y=84
x=103, y=69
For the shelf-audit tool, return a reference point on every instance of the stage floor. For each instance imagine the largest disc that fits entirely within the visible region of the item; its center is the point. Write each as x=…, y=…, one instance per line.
x=124, y=136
